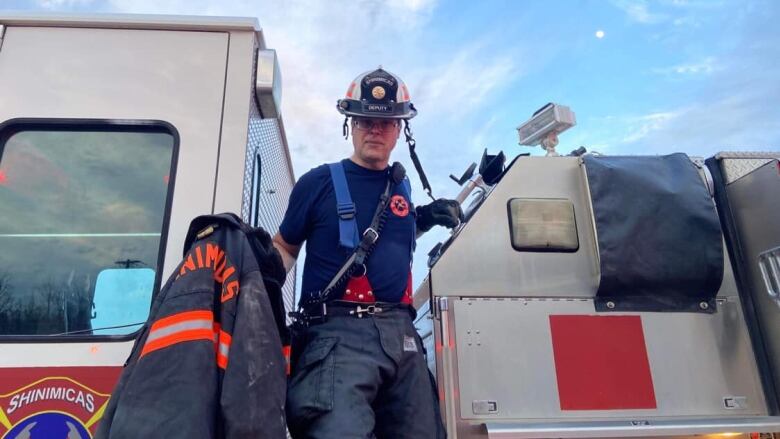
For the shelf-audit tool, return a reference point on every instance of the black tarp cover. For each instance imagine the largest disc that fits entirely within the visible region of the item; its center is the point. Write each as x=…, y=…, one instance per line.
x=659, y=235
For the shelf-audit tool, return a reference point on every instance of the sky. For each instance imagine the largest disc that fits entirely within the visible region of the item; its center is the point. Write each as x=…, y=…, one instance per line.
x=643, y=77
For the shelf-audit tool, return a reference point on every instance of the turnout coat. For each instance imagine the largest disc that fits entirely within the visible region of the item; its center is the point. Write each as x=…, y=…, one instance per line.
x=208, y=362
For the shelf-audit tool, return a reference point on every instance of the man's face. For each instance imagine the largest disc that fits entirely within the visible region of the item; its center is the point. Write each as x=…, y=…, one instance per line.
x=374, y=139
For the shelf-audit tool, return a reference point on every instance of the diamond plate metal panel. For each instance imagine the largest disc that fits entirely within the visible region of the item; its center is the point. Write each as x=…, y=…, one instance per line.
x=738, y=164
x=747, y=155
x=265, y=141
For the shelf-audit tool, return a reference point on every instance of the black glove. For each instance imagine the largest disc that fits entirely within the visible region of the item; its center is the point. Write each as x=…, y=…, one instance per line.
x=268, y=257
x=441, y=212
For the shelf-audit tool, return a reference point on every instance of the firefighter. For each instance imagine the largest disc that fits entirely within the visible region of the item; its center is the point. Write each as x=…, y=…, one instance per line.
x=358, y=367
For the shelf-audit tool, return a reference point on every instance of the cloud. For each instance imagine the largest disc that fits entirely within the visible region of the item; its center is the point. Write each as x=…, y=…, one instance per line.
x=730, y=119
x=480, y=139
x=60, y=4
x=638, y=11
x=640, y=127
x=681, y=13
x=732, y=122
x=704, y=67
x=464, y=83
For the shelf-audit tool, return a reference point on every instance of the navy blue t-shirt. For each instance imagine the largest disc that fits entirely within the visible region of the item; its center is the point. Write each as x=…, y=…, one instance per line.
x=311, y=216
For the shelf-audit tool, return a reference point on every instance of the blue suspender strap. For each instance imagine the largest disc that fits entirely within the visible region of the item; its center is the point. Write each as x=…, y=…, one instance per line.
x=348, y=231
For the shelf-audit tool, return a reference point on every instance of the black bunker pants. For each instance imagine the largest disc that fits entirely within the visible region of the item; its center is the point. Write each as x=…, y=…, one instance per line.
x=363, y=378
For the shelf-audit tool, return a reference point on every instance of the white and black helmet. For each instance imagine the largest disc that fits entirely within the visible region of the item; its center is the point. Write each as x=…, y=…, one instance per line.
x=381, y=94
x=377, y=93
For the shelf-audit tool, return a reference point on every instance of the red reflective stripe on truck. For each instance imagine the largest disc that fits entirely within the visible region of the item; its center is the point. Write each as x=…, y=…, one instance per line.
x=601, y=363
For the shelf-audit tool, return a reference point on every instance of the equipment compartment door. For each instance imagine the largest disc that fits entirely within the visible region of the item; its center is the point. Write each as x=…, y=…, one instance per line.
x=557, y=359
x=754, y=208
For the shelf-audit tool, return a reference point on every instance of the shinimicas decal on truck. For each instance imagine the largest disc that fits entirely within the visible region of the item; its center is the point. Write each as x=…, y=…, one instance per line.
x=53, y=402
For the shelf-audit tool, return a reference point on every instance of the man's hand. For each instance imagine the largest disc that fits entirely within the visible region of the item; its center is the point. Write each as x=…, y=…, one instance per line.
x=441, y=212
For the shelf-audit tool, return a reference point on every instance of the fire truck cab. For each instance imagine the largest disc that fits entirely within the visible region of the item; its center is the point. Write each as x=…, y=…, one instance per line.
x=115, y=132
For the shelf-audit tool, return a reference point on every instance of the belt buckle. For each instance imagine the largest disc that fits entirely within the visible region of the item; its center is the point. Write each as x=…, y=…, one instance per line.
x=370, y=310
x=309, y=318
x=372, y=234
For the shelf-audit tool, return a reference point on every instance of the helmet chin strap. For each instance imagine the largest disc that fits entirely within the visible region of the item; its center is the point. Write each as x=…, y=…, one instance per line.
x=415, y=160
x=345, y=128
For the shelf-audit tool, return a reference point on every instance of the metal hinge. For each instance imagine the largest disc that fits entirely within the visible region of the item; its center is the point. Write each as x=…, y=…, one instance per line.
x=769, y=264
x=440, y=304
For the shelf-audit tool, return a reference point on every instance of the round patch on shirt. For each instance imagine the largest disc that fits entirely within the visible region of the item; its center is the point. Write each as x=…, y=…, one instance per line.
x=399, y=206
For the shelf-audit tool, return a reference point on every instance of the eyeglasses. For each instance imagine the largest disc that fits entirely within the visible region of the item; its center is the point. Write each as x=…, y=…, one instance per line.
x=383, y=125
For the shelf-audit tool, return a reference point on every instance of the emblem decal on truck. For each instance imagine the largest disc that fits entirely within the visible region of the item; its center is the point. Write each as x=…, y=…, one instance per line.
x=56, y=406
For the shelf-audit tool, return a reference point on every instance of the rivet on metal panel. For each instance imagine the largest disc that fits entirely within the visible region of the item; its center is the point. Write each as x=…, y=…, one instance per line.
x=611, y=305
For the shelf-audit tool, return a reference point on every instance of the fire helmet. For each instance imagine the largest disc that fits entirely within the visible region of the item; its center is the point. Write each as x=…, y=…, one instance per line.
x=378, y=94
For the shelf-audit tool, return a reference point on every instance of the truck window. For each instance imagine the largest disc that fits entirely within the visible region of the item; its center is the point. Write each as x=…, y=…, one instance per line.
x=257, y=173
x=82, y=216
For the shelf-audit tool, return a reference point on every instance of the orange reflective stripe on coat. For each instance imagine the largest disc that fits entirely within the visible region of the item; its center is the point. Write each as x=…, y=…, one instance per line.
x=287, y=353
x=189, y=326
x=223, y=340
x=179, y=328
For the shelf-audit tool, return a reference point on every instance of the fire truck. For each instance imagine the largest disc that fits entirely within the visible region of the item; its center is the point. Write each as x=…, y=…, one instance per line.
x=115, y=132
x=583, y=295
x=597, y=296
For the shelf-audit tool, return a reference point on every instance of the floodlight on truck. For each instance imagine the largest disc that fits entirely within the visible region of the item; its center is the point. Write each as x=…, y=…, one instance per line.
x=545, y=125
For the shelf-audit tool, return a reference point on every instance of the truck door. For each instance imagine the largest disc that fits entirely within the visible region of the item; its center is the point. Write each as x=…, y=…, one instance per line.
x=109, y=139
x=747, y=186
